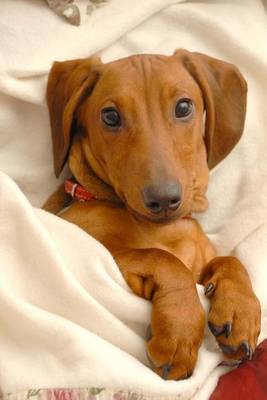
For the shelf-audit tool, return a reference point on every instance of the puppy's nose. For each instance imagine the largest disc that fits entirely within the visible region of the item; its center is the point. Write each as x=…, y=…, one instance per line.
x=162, y=197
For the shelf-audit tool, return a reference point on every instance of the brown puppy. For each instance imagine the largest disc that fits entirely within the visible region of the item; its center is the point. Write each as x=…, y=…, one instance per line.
x=133, y=133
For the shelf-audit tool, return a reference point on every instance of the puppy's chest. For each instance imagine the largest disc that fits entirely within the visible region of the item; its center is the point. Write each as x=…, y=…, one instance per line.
x=116, y=229
x=184, y=239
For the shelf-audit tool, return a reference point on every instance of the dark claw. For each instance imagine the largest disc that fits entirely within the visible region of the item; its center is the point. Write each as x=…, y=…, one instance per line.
x=247, y=350
x=148, y=333
x=250, y=354
x=228, y=349
x=231, y=363
x=185, y=376
x=209, y=289
x=245, y=347
x=216, y=330
x=165, y=370
x=227, y=329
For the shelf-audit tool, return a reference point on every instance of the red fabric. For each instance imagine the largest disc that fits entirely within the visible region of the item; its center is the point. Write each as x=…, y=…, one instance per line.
x=77, y=191
x=247, y=382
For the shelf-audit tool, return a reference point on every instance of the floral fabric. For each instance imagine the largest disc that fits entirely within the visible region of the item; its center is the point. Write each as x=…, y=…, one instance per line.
x=93, y=393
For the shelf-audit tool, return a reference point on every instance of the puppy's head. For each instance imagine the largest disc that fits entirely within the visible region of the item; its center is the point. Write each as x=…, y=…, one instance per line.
x=150, y=126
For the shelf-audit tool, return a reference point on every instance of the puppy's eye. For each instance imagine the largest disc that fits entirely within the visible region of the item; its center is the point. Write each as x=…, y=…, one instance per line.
x=183, y=108
x=111, y=117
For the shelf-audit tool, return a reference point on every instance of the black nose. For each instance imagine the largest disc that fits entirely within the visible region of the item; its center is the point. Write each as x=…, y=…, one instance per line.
x=162, y=197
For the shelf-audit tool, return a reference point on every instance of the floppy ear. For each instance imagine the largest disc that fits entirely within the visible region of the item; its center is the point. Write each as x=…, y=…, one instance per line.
x=69, y=82
x=224, y=92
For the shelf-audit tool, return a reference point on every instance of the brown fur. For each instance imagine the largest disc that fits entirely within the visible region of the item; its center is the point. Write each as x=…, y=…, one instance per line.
x=161, y=256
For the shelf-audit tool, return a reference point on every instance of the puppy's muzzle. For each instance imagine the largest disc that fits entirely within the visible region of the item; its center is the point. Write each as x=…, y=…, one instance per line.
x=162, y=197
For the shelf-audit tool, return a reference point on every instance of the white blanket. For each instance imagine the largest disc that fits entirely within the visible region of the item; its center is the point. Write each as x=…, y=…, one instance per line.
x=67, y=317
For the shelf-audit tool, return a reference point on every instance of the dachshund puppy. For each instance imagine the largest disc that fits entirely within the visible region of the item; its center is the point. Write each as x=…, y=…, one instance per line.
x=134, y=136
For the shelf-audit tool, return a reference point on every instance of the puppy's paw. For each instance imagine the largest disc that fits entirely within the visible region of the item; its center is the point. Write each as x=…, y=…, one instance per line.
x=234, y=318
x=176, y=333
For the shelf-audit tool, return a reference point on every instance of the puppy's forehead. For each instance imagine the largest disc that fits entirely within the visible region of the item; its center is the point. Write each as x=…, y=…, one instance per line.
x=146, y=69
x=140, y=63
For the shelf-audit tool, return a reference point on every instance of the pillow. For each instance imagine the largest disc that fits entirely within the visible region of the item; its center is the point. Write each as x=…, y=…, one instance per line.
x=248, y=381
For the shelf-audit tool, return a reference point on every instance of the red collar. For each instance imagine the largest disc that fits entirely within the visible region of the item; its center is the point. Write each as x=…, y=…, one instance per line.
x=77, y=191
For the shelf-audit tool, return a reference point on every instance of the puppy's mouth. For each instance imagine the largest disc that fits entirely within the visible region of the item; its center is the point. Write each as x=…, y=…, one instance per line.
x=162, y=219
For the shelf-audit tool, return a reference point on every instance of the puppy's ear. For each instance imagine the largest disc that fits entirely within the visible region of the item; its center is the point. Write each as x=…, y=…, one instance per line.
x=224, y=92
x=69, y=82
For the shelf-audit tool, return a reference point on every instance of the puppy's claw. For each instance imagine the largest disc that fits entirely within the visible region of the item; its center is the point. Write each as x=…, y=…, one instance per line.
x=148, y=333
x=208, y=290
x=245, y=347
x=250, y=354
x=185, y=376
x=247, y=350
x=227, y=329
x=165, y=371
x=230, y=363
x=228, y=349
x=219, y=330
x=215, y=329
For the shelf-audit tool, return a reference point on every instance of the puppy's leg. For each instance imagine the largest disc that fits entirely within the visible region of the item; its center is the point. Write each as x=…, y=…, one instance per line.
x=177, y=320
x=57, y=201
x=234, y=317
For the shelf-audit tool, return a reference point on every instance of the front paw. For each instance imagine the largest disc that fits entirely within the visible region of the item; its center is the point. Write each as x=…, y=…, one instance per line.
x=176, y=333
x=234, y=316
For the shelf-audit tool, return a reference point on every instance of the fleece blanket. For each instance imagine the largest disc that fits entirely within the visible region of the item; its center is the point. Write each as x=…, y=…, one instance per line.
x=67, y=317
